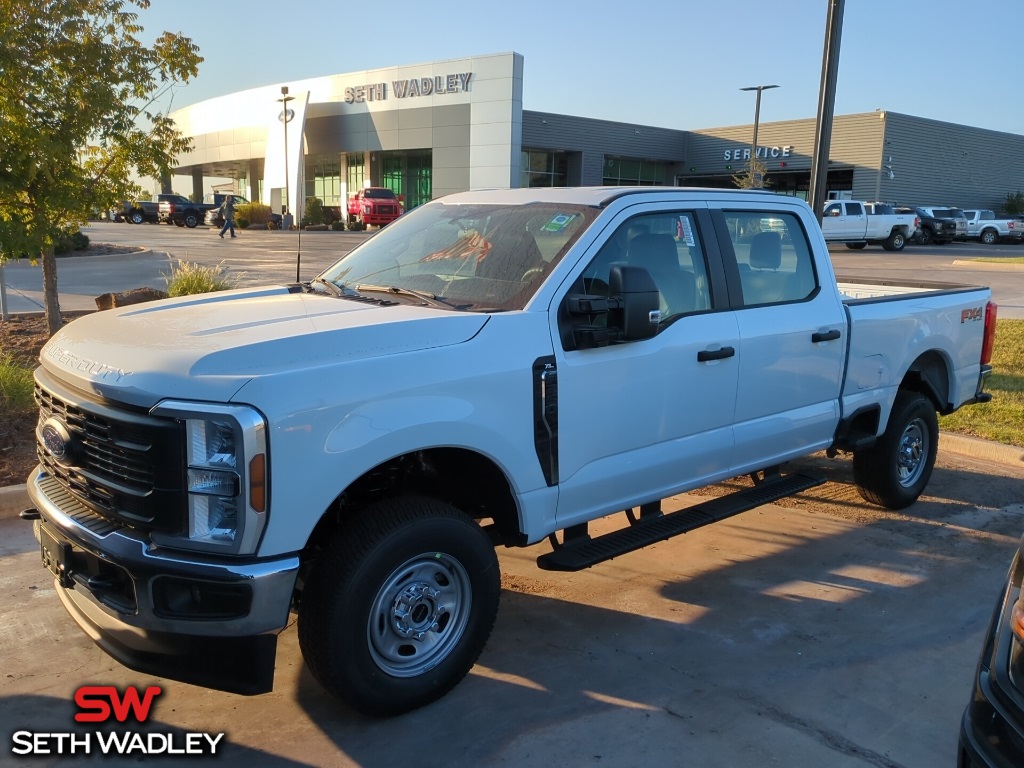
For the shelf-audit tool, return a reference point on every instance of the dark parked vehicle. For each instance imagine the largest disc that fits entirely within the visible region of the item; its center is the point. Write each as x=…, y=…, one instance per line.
x=992, y=729
x=936, y=225
x=186, y=213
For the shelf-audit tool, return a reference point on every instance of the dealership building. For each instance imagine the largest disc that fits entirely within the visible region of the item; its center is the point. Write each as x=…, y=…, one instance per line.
x=427, y=130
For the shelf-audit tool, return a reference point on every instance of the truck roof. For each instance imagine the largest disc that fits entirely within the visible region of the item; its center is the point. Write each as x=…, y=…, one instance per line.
x=602, y=196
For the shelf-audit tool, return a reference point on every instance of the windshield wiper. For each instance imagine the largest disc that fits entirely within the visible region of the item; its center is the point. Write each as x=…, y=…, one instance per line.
x=332, y=288
x=427, y=298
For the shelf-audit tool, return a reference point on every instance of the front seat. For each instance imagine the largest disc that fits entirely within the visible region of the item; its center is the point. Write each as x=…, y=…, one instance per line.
x=658, y=255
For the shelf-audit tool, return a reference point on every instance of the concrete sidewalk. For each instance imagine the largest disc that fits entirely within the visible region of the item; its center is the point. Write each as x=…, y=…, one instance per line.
x=80, y=279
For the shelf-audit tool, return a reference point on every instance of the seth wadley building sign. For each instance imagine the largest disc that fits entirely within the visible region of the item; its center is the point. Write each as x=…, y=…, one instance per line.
x=423, y=86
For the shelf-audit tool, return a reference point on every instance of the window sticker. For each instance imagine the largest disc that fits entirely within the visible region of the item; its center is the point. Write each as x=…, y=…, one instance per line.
x=683, y=230
x=558, y=222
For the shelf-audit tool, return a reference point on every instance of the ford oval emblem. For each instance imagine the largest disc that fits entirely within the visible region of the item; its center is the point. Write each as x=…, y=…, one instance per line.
x=56, y=439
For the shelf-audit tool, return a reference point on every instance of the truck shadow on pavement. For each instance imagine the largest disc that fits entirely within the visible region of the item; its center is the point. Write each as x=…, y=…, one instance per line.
x=850, y=635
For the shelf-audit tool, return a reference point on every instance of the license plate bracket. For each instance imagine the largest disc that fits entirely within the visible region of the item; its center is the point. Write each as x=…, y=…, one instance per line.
x=56, y=555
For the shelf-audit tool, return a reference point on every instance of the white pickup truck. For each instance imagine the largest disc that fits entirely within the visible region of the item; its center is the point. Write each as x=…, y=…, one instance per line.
x=493, y=368
x=985, y=226
x=859, y=224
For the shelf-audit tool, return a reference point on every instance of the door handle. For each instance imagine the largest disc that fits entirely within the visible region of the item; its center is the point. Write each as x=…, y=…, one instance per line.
x=827, y=336
x=706, y=355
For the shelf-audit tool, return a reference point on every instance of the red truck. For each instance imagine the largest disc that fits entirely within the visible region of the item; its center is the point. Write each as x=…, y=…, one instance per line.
x=374, y=205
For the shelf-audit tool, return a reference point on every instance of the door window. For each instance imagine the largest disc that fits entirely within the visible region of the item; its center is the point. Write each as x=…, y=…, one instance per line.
x=773, y=257
x=668, y=246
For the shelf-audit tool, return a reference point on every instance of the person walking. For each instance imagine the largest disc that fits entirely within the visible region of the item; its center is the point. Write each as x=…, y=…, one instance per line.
x=227, y=209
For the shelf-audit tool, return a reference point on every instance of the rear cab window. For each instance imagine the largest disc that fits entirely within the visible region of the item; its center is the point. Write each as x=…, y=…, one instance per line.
x=773, y=257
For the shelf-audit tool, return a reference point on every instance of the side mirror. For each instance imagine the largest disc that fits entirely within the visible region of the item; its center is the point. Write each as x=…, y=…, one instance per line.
x=639, y=312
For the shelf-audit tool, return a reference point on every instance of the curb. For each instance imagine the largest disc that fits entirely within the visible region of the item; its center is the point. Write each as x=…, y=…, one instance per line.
x=14, y=498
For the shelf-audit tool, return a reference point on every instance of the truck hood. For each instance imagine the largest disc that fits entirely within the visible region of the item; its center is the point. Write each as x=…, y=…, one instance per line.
x=206, y=347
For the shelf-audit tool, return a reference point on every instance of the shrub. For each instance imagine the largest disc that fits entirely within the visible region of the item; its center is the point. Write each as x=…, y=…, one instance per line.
x=188, y=278
x=314, y=213
x=316, y=227
x=241, y=223
x=253, y=213
x=16, y=385
x=338, y=226
x=356, y=226
x=71, y=241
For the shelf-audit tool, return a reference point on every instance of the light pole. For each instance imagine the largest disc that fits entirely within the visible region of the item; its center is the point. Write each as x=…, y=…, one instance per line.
x=757, y=118
x=285, y=117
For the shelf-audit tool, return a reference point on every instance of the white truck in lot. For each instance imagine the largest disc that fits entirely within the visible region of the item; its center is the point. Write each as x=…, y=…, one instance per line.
x=985, y=226
x=859, y=224
x=495, y=368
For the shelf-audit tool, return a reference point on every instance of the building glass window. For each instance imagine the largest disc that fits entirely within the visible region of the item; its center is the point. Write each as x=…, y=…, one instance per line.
x=543, y=169
x=325, y=180
x=630, y=172
x=408, y=175
x=354, y=172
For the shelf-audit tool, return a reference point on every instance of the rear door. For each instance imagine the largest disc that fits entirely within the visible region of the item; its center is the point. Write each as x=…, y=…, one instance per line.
x=640, y=420
x=792, y=329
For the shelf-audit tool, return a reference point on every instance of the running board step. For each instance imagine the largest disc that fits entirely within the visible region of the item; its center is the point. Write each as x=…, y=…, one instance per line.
x=585, y=551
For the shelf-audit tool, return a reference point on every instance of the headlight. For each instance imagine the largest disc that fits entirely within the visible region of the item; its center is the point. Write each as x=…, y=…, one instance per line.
x=367, y=209
x=226, y=476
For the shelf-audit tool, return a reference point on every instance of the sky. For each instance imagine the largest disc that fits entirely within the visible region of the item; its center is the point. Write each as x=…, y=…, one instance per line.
x=668, y=63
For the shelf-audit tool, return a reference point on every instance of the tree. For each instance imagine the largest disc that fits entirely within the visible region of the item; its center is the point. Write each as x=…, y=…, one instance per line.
x=1014, y=203
x=78, y=117
x=755, y=177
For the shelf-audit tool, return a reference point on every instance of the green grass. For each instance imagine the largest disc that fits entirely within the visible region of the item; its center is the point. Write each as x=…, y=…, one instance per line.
x=1001, y=420
x=15, y=386
x=187, y=279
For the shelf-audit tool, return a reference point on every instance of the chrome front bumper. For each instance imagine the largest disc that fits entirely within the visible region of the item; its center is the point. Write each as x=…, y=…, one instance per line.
x=203, y=620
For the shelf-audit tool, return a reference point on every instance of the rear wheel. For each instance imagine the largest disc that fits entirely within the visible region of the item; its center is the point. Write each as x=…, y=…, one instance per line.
x=856, y=246
x=895, y=242
x=895, y=470
x=191, y=219
x=989, y=236
x=399, y=605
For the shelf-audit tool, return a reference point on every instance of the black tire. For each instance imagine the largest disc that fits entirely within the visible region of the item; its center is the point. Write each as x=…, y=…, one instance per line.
x=399, y=605
x=924, y=236
x=137, y=217
x=191, y=219
x=989, y=236
x=179, y=223
x=895, y=242
x=896, y=469
x=856, y=246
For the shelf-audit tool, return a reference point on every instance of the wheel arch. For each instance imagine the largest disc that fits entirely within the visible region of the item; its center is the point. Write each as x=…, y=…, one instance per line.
x=467, y=479
x=929, y=374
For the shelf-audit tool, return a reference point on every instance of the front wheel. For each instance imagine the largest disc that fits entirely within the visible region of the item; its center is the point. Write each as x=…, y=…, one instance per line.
x=399, y=605
x=895, y=470
x=137, y=217
x=924, y=237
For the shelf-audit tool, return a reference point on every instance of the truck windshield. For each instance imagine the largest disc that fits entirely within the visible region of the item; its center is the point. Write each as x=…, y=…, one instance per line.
x=383, y=194
x=471, y=257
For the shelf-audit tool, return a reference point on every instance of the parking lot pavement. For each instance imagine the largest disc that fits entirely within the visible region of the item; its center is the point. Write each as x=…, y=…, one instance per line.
x=820, y=631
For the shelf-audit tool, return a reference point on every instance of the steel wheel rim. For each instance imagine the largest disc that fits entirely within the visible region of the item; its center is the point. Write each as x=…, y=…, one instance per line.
x=897, y=241
x=419, y=614
x=912, y=453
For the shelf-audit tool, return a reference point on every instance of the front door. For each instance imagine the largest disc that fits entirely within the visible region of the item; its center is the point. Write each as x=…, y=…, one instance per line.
x=637, y=420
